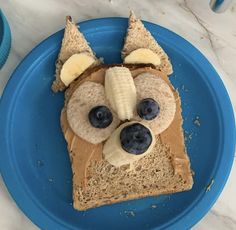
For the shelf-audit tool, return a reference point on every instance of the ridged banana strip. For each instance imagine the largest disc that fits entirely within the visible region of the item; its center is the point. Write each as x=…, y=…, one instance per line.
x=120, y=91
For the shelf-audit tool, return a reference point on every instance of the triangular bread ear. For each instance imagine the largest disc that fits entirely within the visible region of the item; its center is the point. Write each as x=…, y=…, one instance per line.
x=139, y=37
x=73, y=42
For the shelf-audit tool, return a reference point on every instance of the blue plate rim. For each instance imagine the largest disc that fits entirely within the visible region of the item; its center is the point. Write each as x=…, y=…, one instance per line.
x=224, y=106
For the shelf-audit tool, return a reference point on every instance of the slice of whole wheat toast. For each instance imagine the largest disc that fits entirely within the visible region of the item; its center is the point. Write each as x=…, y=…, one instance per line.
x=96, y=182
x=139, y=37
x=73, y=42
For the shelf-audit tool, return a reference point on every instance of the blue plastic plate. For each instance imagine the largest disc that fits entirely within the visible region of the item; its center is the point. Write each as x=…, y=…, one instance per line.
x=34, y=160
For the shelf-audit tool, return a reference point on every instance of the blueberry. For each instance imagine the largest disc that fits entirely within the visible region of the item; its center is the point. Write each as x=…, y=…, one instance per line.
x=135, y=138
x=100, y=117
x=148, y=109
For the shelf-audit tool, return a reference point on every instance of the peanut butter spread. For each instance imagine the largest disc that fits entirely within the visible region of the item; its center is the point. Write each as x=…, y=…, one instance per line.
x=82, y=152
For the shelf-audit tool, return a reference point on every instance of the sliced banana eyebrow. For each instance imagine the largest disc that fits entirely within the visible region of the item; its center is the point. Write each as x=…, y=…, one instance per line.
x=143, y=55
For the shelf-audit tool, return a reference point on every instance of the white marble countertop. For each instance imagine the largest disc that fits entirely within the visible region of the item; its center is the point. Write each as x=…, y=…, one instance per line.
x=213, y=34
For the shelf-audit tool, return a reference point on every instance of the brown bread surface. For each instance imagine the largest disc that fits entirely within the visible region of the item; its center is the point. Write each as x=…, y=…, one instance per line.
x=96, y=182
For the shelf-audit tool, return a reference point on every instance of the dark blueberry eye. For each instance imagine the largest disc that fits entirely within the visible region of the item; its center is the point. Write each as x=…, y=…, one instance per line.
x=100, y=117
x=135, y=138
x=148, y=109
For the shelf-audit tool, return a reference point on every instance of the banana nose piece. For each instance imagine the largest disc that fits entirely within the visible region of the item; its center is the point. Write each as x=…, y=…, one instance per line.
x=121, y=91
x=119, y=150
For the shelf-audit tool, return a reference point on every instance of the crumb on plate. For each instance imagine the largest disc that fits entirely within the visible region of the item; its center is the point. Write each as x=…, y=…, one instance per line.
x=196, y=121
x=129, y=213
x=208, y=187
x=153, y=206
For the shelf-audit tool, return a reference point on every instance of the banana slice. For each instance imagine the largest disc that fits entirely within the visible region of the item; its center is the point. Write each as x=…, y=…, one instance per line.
x=120, y=91
x=116, y=155
x=75, y=66
x=143, y=55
